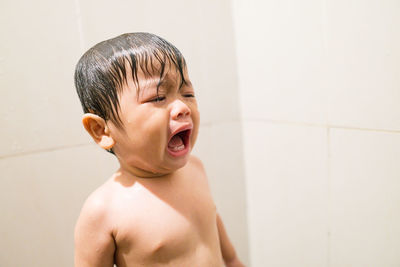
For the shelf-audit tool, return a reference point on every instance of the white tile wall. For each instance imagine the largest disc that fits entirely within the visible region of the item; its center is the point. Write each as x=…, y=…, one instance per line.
x=330, y=63
x=363, y=40
x=41, y=196
x=365, y=199
x=287, y=186
x=39, y=108
x=281, y=60
x=324, y=62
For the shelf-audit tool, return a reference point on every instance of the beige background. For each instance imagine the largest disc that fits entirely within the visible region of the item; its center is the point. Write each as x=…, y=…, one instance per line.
x=300, y=130
x=319, y=90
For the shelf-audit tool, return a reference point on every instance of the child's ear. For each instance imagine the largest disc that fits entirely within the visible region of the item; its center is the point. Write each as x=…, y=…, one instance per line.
x=98, y=129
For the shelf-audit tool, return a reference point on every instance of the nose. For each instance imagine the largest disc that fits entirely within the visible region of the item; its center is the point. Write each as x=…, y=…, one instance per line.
x=179, y=110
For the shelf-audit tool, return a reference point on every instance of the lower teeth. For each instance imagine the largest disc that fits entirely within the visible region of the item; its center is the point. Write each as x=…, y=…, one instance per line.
x=177, y=148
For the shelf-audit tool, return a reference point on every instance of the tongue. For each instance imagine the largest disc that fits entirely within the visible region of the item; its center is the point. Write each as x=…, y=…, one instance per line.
x=175, y=141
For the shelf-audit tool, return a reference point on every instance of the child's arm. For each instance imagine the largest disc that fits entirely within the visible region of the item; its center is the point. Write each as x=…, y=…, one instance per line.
x=94, y=243
x=227, y=249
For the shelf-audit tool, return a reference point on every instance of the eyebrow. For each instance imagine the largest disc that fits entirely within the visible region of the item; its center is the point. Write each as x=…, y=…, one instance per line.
x=163, y=81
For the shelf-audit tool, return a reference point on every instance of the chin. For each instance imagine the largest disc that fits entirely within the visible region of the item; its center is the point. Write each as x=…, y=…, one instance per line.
x=177, y=163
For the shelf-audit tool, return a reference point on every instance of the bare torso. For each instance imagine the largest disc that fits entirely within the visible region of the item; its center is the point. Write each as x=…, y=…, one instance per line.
x=167, y=221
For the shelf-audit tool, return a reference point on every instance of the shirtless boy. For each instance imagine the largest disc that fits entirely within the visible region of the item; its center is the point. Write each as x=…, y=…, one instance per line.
x=156, y=210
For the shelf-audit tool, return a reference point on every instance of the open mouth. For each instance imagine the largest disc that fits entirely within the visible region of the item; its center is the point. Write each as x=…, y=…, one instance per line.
x=179, y=143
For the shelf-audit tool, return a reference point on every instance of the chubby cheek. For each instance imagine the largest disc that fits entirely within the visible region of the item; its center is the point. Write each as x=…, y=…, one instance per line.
x=151, y=135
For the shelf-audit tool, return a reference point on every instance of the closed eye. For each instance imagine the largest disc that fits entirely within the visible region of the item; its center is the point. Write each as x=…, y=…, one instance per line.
x=157, y=99
x=188, y=95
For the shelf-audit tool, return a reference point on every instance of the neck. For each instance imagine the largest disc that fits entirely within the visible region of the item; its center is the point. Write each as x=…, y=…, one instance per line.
x=134, y=172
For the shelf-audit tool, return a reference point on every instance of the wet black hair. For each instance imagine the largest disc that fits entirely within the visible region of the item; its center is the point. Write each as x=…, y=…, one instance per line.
x=102, y=71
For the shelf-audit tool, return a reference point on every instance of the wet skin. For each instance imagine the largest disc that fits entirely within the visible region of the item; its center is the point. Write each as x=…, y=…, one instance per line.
x=157, y=209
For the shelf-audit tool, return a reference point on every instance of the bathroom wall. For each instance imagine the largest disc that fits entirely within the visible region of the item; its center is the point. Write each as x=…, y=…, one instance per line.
x=300, y=129
x=319, y=91
x=48, y=163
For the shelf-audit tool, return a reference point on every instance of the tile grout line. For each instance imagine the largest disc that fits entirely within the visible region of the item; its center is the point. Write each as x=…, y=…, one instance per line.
x=331, y=126
x=324, y=18
x=246, y=187
x=50, y=149
x=328, y=139
x=363, y=129
x=78, y=15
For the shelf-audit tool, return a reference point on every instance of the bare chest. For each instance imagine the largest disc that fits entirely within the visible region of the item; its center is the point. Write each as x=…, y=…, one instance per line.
x=167, y=224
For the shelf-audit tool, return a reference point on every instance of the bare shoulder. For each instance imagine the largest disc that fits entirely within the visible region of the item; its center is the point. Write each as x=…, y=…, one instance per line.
x=196, y=162
x=197, y=167
x=96, y=204
x=94, y=243
x=95, y=210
